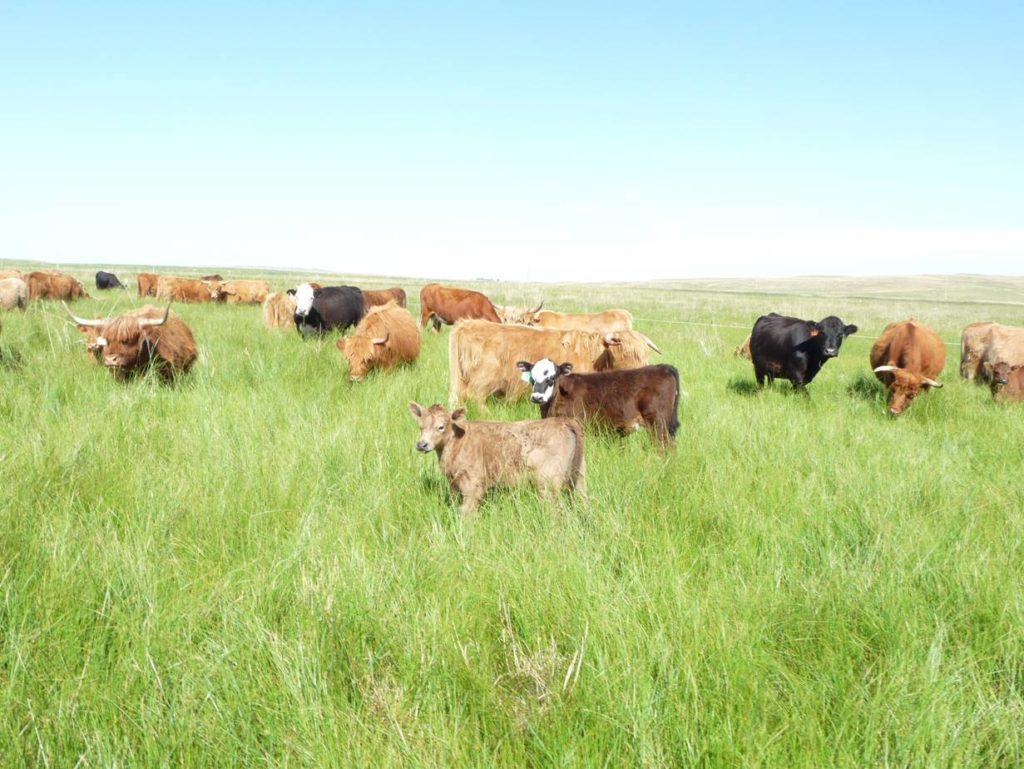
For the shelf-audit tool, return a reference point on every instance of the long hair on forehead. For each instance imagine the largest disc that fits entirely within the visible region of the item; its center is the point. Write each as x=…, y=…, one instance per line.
x=123, y=328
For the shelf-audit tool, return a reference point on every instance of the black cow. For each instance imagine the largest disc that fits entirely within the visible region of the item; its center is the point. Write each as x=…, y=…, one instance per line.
x=321, y=309
x=626, y=399
x=794, y=349
x=105, y=280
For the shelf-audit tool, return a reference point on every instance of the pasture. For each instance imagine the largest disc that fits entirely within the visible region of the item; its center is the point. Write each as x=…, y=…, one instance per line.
x=255, y=568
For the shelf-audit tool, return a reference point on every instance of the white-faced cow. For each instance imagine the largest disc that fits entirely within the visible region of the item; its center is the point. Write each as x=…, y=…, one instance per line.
x=623, y=400
x=478, y=456
x=795, y=349
x=321, y=309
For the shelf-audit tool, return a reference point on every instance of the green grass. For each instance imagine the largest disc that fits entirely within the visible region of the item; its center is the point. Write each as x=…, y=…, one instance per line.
x=256, y=568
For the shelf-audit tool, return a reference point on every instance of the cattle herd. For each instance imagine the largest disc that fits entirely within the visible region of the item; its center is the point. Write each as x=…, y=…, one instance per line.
x=579, y=369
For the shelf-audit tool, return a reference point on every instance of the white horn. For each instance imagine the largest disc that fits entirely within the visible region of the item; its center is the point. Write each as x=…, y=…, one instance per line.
x=382, y=340
x=82, y=321
x=880, y=369
x=146, y=322
x=651, y=344
x=932, y=383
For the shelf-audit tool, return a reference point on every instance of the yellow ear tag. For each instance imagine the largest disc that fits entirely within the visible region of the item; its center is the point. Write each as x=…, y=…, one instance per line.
x=814, y=332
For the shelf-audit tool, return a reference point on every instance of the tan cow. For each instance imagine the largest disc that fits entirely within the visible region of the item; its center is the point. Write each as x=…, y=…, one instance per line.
x=49, y=284
x=147, y=283
x=906, y=358
x=982, y=345
x=385, y=337
x=477, y=456
x=176, y=289
x=482, y=356
x=242, y=291
x=375, y=298
x=13, y=294
x=601, y=322
x=279, y=310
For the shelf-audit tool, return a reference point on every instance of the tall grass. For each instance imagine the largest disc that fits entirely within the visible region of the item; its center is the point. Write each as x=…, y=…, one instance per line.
x=255, y=567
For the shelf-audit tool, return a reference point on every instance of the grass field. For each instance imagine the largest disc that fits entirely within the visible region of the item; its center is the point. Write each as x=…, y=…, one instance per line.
x=255, y=568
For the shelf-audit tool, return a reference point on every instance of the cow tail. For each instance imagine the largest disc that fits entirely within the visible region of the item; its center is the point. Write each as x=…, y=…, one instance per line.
x=673, y=422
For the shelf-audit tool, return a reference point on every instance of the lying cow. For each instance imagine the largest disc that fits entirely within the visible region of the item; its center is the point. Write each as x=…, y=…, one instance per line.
x=95, y=342
x=107, y=280
x=133, y=343
x=385, y=337
x=441, y=304
x=1007, y=382
x=624, y=400
x=13, y=294
x=332, y=307
x=983, y=345
x=478, y=456
x=795, y=349
x=279, y=310
x=482, y=356
x=378, y=297
x=906, y=358
x=601, y=322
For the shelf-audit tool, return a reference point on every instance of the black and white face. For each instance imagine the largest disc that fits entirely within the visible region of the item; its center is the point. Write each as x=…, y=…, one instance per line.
x=542, y=376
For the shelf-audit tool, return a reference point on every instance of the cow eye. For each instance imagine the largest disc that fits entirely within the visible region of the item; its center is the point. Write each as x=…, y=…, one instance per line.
x=440, y=428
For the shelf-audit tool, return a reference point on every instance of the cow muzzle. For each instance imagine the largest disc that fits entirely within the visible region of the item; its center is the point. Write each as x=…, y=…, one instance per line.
x=831, y=352
x=422, y=446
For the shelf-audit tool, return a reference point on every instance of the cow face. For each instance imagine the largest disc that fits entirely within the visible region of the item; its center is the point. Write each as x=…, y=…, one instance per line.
x=832, y=332
x=542, y=376
x=361, y=352
x=214, y=289
x=437, y=426
x=304, y=299
x=904, y=386
x=998, y=373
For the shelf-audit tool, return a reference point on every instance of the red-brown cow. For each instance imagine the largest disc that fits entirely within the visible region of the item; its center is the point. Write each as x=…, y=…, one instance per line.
x=133, y=343
x=385, y=337
x=623, y=400
x=440, y=304
x=54, y=285
x=380, y=297
x=906, y=358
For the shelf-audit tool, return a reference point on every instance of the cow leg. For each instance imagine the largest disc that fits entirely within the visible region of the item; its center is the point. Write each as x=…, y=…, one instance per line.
x=437, y=324
x=471, y=496
x=760, y=374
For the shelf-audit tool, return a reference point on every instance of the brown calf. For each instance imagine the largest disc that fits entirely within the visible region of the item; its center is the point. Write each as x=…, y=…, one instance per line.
x=1007, y=382
x=477, y=456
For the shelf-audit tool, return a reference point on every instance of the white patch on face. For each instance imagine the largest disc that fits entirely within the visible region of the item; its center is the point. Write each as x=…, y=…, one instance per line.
x=303, y=299
x=543, y=370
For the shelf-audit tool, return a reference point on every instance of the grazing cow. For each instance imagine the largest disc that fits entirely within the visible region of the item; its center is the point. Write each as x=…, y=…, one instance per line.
x=321, y=309
x=482, y=356
x=1008, y=382
x=982, y=345
x=795, y=349
x=624, y=400
x=105, y=280
x=279, y=310
x=135, y=342
x=242, y=291
x=906, y=358
x=601, y=322
x=522, y=315
x=386, y=336
x=13, y=293
x=477, y=456
x=441, y=304
x=186, y=289
x=147, y=283
x=54, y=285
x=383, y=296
x=743, y=351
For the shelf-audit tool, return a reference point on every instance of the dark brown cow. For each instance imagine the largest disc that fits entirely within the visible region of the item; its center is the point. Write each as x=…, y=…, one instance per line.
x=147, y=283
x=133, y=343
x=1008, y=382
x=380, y=297
x=48, y=284
x=906, y=358
x=624, y=400
x=440, y=304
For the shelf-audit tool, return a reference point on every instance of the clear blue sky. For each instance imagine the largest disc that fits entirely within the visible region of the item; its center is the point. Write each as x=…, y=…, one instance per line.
x=516, y=140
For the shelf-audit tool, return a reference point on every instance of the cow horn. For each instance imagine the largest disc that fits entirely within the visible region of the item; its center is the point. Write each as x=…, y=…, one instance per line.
x=651, y=344
x=146, y=322
x=932, y=382
x=537, y=308
x=83, y=321
x=881, y=369
x=383, y=339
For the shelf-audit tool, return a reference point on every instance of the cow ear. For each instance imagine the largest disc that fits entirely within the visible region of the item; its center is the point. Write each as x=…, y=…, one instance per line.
x=415, y=409
x=290, y=292
x=459, y=420
x=813, y=328
x=565, y=368
x=851, y=329
x=524, y=366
